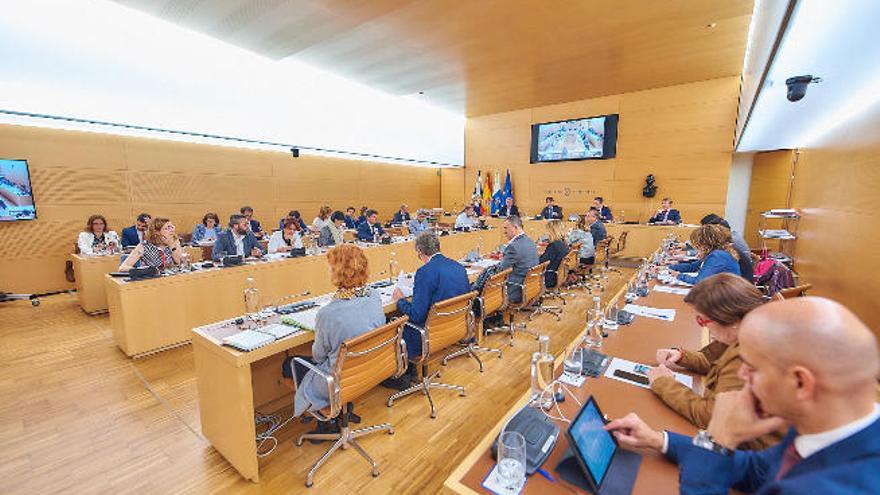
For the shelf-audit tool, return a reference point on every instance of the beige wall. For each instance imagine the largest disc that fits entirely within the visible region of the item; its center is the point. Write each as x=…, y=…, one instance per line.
x=76, y=174
x=682, y=134
x=770, y=189
x=837, y=190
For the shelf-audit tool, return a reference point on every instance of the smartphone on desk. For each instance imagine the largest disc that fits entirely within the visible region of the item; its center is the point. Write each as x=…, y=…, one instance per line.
x=633, y=377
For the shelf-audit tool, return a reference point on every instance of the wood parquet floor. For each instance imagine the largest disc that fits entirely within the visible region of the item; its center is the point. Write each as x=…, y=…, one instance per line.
x=78, y=417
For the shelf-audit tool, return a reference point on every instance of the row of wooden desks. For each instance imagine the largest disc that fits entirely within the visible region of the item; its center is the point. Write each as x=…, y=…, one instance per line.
x=90, y=272
x=152, y=315
x=233, y=384
x=635, y=342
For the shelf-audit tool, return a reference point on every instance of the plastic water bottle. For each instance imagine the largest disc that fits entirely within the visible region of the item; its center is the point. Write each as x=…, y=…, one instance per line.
x=542, y=374
x=251, y=297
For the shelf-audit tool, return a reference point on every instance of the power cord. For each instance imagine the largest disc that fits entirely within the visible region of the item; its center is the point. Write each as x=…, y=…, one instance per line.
x=272, y=423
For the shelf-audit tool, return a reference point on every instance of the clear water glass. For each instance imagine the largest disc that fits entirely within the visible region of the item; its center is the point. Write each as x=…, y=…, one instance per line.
x=574, y=361
x=611, y=318
x=511, y=459
x=589, y=341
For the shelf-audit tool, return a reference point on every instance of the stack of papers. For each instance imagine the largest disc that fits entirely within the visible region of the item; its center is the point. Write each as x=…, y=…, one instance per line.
x=405, y=284
x=640, y=369
x=647, y=311
x=671, y=290
x=248, y=340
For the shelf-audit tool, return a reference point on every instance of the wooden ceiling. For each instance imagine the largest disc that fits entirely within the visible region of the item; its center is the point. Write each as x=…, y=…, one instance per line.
x=485, y=56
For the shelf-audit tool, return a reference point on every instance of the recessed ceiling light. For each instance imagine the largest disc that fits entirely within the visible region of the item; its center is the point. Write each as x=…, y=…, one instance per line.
x=712, y=25
x=421, y=92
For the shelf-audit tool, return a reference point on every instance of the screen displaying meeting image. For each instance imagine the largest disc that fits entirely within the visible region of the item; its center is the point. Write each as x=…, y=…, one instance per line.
x=581, y=139
x=16, y=198
x=595, y=446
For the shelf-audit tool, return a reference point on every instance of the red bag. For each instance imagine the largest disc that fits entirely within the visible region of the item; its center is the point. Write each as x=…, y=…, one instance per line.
x=765, y=264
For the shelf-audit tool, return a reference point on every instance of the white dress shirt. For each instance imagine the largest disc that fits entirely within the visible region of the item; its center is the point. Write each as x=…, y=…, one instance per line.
x=276, y=242
x=463, y=220
x=239, y=244
x=807, y=445
x=85, y=240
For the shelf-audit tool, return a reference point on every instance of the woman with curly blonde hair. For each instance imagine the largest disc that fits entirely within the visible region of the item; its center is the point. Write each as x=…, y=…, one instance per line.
x=353, y=311
x=715, y=249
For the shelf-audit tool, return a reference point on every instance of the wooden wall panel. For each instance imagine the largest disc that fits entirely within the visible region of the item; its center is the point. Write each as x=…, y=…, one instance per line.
x=681, y=134
x=451, y=188
x=770, y=188
x=837, y=190
x=76, y=174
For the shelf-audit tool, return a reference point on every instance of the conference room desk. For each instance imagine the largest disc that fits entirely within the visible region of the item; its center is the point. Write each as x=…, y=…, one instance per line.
x=206, y=249
x=152, y=315
x=233, y=384
x=636, y=342
x=641, y=240
x=90, y=272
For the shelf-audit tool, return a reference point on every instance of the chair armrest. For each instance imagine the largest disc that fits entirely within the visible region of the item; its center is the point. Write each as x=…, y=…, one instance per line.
x=335, y=407
x=425, y=345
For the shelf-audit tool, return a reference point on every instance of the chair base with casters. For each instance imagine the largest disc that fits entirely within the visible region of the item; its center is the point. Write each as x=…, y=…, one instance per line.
x=344, y=439
x=425, y=387
x=472, y=349
x=540, y=309
x=511, y=328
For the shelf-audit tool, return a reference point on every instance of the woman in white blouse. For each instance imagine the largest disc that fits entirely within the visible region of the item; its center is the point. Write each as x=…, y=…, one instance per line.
x=282, y=241
x=322, y=220
x=96, y=239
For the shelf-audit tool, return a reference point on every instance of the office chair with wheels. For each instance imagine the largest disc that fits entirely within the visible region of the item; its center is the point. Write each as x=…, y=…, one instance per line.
x=565, y=266
x=363, y=362
x=449, y=321
x=492, y=300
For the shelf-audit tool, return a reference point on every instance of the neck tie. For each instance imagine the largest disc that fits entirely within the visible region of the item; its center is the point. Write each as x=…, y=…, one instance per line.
x=789, y=459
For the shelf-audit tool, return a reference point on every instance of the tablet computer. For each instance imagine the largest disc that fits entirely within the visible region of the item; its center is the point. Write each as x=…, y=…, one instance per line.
x=593, y=447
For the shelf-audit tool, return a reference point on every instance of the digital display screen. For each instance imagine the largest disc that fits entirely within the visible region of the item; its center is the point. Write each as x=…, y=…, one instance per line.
x=577, y=139
x=16, y=197
x=595, y=446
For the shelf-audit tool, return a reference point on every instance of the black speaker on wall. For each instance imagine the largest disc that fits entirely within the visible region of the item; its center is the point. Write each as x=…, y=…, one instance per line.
x=295, y=152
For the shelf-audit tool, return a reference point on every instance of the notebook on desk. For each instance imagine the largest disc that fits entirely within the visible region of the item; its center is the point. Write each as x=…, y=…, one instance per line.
x=248, y=340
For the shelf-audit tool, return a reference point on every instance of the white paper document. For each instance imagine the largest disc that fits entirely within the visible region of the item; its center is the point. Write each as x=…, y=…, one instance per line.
x=495, y=484
x=641, y=369
x=649, y=312
x=405, y=284
x=671, y=290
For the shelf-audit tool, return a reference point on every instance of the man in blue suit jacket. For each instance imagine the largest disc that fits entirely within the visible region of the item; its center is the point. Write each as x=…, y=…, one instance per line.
x=666, y=215
x=605, y=214
x=253, y=225
x=807, y=362
x=438, y=279
x=238, y=239
x=370, y=229
x=133, y=235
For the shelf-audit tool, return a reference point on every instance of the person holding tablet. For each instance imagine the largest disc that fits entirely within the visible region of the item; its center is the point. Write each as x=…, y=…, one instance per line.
x=809, y=364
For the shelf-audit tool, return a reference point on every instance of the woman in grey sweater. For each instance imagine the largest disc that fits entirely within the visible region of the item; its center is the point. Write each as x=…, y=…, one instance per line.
x=353, y=311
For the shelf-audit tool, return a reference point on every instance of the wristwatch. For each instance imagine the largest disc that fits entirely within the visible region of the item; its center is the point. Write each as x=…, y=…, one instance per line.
x=703, y=440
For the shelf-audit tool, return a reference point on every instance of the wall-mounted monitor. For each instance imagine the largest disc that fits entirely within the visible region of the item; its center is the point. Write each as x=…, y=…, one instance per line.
x=591, y=138
x=16, y=197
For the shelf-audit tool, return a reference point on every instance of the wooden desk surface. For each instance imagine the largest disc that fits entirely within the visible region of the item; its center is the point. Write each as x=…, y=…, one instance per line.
x=636, y=342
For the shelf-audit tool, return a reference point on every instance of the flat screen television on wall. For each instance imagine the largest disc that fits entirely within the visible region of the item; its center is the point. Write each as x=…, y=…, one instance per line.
x=590, y=138
x=16, y=198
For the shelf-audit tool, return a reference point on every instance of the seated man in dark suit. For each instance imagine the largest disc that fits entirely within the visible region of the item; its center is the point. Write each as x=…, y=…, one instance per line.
x=254, y=225
x=552, y=210
x=370, y=230
x=133, y=235
x=438, y=279
x=605, y=214
x=809, y=364
x=666, y=215
x=402, y=216
x=520, y=254
x=508, y=209
x=597, y=228
x=350, y=220
x=238, y=239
